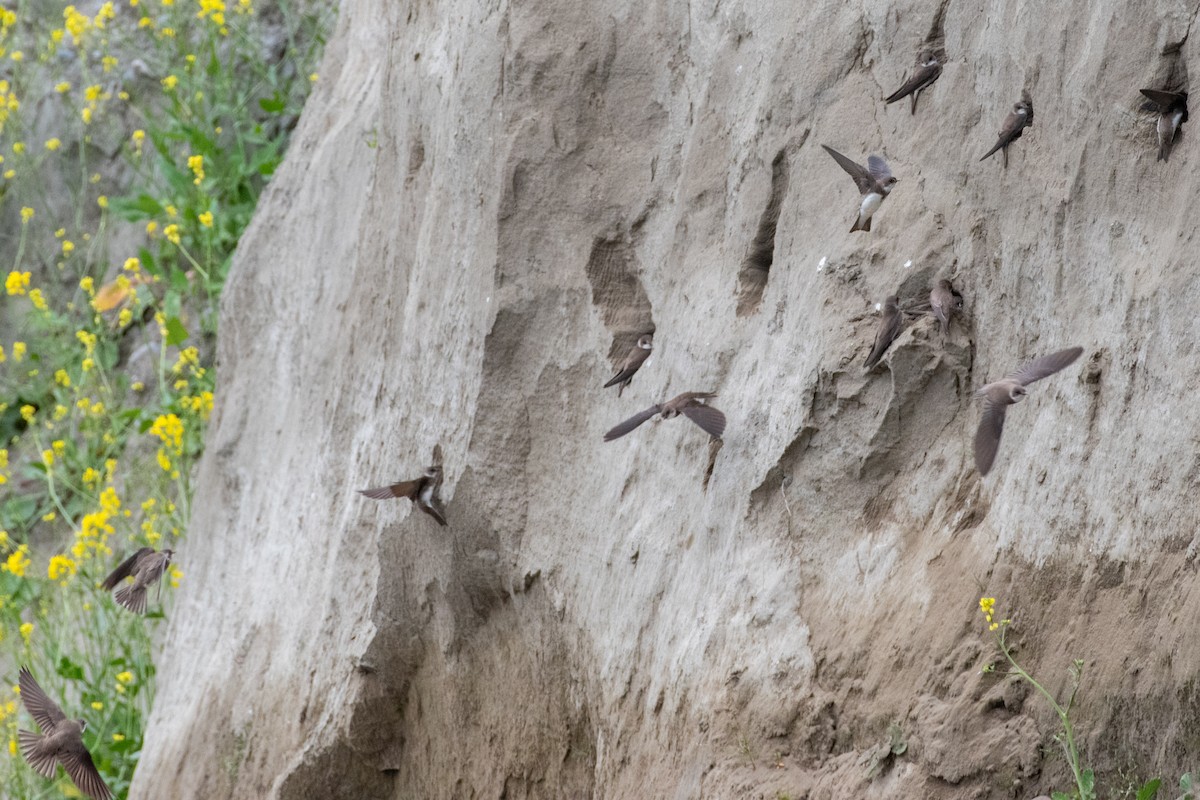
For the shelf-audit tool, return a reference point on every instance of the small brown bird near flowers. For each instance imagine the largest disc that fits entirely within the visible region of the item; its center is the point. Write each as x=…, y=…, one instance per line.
x=632, y=363
x=61, y=741
x=1001, y=394
x=423, y=491
x=146, y=567
x=690, y=404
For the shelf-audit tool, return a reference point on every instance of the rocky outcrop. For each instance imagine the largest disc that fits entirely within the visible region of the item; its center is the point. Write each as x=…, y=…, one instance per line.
x=485, y=204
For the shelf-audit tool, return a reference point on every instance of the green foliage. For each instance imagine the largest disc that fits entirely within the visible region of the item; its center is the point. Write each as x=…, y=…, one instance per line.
x=96, y=453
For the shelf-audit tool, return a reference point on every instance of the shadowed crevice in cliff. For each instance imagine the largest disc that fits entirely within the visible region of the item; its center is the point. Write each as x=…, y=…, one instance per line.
x=756, y=268
x=614, y=273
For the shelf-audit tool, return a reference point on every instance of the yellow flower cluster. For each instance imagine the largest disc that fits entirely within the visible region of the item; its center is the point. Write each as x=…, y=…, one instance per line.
x=213, y=9
x=8, y=104
x=95, y=529
x=17, y=561
x=987, y=605
x=196, y=165
x=16, y=282
x=61, y=568
x=77, y=24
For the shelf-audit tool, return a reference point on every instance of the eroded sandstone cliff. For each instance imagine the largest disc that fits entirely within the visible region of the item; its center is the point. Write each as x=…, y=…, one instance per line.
x=483, y=206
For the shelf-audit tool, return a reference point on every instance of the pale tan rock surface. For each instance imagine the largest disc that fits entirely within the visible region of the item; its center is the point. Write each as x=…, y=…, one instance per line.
x=485, y=203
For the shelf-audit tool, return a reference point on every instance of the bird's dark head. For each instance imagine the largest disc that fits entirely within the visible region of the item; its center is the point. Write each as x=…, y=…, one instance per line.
x=82, y=725
x=433, y=472
x=169, y=553
x=646, y=342
x=887, y=184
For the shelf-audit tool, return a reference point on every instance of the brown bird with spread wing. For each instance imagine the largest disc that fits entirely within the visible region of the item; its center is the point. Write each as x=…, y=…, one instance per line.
x=425, y=491
x=61, y=741
x=690, y=404
x=632, y=363
x=1001, y=394
x=146, y=567
x=1020, y=118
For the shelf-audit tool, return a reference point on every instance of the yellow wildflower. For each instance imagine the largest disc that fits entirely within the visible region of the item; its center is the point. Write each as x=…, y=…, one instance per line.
x=18, y=147
x=206, y=219
x=102, y=201
x=17, y=561
x=108, y=62
x=26, y=631
x=97, y=705
x=87, y=364
x=62, y=378
x=196, y=165
x=125, y=677
x=312, y=78
x=87, y=339
x=61, y=567
x=118, y=737
x=172, y=233
x=49, y=516
x=151, y=228
x=90, y=475
x=176, y=577
x=35, y=297
x=16, y=282
x=68, y=247
x=27, y=411
x=132, y=265
x=88, y=285
x=48, y=458
x=86, y=115
x=19, y=350
x=53, y=144
x=138, y=137
x=17, y=55
x=124, y=318
x=169, y=82
x=26, y=214
x=77, y=24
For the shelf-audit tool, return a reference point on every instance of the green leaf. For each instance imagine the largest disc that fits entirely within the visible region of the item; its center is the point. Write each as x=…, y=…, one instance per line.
x=1148, y=791
x=69, y=669
x=141, y=207
x=1188, y=785
x=273, y=105
x=1060, y=796
x=176, y=333
x=1087, y=780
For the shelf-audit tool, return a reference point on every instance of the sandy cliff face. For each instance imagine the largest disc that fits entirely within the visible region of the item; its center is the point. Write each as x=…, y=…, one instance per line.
x=486, y=203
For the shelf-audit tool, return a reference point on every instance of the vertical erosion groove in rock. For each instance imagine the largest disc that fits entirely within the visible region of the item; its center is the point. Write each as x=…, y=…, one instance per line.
x=756, y=268
x=617, y=291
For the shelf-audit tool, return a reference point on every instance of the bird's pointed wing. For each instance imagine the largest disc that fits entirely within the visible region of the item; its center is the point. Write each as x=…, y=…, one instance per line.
x=879, y=169
x=1164, y=100
x=437, y=455
x=124, y=569
x=889, y=329
x=861, y=178
x=631, y=423
x=708, y=418
x=44, y=711
x=1046, y=366
x=633, y=362
x=436, y=510
x=1014, y=123
x=78, y=762
x=987, y=437
x=402, y=489
x=920, y=79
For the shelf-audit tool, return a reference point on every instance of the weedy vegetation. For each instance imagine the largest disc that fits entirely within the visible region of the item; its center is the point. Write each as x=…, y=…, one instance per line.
x=120, y=226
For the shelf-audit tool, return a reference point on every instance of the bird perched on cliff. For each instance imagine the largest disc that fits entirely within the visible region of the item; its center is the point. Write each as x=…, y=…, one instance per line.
x=1001, y=394
x=690, y=404
x=632, y=363
x=1020, y=118
x=890, y=325
x=1172, y=112
x=61, y=741
x=423, y=491
x=875, y=182
x=146, y=567
x=944, y=300
x=929, y=69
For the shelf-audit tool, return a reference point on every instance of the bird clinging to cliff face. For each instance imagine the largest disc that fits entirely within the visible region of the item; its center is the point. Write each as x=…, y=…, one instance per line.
x=146, y=567
x=423, y=491
x=61, y=741
x=1172, y=112
x=690, y=404
x=875, y=182
x=632, y=363
x=1001, y=394
x=1017, y=120
x=944, y=300
x=890, y=325
x=929, y=69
